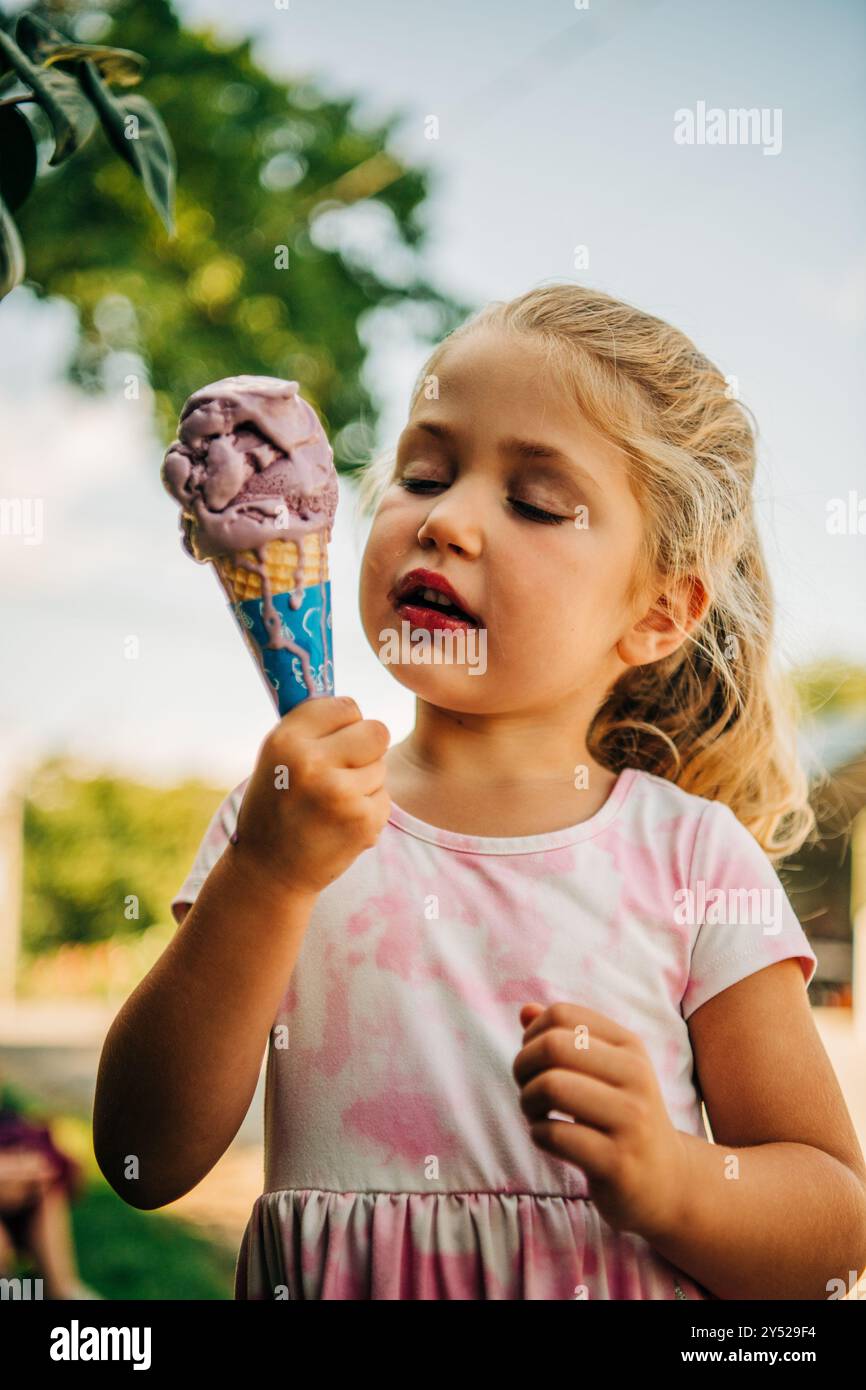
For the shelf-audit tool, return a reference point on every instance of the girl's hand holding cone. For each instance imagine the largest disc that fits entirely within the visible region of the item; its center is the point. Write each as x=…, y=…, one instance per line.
x=317, y=797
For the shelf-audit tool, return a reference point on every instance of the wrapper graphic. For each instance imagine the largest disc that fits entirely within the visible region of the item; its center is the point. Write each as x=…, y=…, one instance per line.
x=288, y=625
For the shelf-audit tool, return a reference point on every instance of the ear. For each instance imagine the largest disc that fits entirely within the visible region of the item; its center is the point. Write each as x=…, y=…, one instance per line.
x=664, y=627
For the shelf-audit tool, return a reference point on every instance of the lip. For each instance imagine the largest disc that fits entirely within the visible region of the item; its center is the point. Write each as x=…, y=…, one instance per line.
x=429, y=579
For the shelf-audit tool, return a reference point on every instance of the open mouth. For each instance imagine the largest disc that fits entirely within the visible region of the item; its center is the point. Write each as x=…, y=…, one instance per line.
x=430, y=608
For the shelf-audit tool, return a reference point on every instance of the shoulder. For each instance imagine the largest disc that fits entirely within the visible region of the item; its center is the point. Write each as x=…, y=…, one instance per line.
x=695, y=815
x=676, y=823
x=236, y=795
x=665, y=797
x=691, y=840
x=217, y=834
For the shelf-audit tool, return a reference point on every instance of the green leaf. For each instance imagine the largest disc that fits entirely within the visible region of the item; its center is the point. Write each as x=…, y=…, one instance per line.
x=17, y=157
x=43, y=44
x=11, y=253
x=59, y=95
x=136, y=131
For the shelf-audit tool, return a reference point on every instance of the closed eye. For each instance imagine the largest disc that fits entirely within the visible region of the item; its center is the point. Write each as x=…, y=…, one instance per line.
x=524, y=509
x=536, y=513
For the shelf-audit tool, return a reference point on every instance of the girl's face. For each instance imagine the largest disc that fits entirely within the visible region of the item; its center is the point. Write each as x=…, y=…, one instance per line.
x=481, y=471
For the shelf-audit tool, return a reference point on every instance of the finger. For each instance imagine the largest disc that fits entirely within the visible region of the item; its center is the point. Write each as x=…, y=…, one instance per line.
x=588, y=1149
x=374, y=806
x=564, y=1015
x=365, y=781
x=529, y=1012
x=586, y=1100
x=559, y=1047
x=380, y=802
x=357, y=744
x=323, y=715
x=377, y=805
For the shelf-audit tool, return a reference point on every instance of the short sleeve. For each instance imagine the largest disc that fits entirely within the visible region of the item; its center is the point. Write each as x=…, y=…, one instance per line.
x=216, y=837
x=739, y=914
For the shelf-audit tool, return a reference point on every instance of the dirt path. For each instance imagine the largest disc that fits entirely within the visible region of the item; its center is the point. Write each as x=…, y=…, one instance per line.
x=220, y=1205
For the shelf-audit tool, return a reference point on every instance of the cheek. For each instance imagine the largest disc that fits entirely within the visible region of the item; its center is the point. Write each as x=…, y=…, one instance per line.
x=380, y=564
x=570, y=583
x=371, y=577
x=537, y=570
x=391, y=532
x=524, y=608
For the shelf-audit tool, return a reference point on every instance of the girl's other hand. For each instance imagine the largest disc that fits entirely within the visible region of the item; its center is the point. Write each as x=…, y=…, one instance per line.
x=317, y=797
x=583, y=1064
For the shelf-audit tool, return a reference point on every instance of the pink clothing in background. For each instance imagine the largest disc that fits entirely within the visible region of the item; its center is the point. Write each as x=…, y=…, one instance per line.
x=398, y=1163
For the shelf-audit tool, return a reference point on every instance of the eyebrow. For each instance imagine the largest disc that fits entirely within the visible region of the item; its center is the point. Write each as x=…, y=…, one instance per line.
x=528, y=449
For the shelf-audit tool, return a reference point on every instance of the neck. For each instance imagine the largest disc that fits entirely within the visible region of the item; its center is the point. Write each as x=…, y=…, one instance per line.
x=527, y=749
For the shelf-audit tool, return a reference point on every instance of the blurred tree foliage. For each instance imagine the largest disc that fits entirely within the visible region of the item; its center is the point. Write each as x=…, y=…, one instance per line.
x=270, y=270
x=832, y=687
x=89, y=843
x=70, y=83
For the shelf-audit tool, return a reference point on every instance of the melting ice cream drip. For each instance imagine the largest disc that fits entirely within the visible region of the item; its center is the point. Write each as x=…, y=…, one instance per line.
x=280, y=637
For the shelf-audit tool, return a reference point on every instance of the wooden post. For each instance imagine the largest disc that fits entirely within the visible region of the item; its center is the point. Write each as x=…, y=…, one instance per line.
x=11, y=862
x=858, y=924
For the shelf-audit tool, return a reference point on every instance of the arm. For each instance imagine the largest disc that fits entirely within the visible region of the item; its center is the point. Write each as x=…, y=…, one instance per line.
x=181, y=1061
x=775, y=1208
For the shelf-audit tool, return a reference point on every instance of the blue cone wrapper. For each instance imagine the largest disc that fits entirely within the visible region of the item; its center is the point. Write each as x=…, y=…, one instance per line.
x=289, y=674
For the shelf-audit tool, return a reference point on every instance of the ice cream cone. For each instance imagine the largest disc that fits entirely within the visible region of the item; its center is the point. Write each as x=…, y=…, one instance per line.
x=239, y=572
x=253, y=473
x=287, y=620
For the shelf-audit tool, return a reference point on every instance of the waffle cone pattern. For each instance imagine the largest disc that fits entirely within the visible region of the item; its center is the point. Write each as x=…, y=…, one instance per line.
x=281, y=568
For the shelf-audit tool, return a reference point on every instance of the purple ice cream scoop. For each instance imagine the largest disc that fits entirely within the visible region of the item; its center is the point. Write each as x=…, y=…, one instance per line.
x=251, y=464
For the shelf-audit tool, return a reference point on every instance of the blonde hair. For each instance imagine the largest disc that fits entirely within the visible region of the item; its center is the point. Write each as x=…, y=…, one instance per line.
x=715, y=717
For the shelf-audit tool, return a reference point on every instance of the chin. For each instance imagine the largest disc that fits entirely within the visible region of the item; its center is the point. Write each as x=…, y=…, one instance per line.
x=450, y=687
x=462, y=685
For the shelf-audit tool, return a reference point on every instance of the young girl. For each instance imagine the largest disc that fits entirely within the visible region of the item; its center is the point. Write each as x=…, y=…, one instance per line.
x=499, y=966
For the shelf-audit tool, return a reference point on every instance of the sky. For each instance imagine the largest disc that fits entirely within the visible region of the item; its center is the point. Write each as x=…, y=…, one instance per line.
x=556, y=130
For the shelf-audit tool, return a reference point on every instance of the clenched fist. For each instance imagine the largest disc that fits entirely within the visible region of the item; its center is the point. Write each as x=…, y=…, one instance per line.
x=316, y=798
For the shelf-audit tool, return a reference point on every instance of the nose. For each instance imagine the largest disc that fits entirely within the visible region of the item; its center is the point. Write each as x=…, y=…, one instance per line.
x=454, y=520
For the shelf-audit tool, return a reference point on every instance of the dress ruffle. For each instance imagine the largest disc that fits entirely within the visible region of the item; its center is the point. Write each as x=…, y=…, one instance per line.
x=306, y=1243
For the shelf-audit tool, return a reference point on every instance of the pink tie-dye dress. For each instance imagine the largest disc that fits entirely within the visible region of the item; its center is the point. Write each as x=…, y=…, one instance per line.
x=398, y=1163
